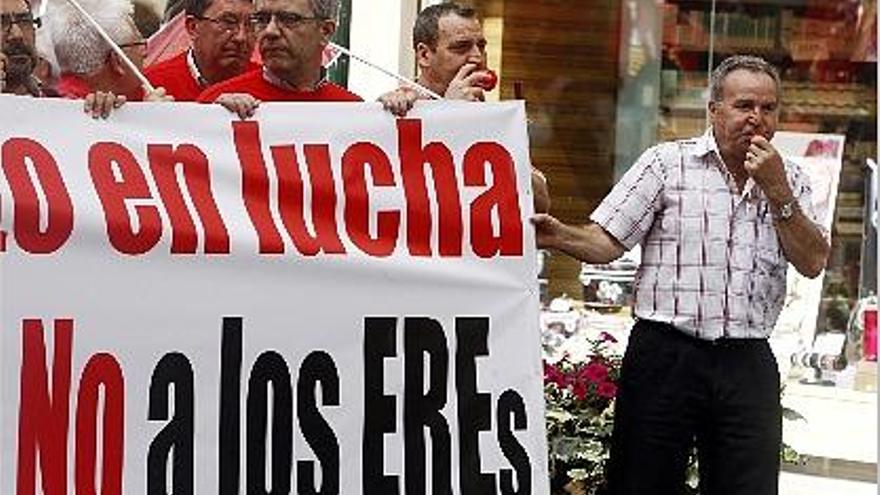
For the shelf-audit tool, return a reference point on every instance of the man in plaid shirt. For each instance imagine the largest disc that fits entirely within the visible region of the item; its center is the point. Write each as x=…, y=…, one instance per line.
x=719, y=217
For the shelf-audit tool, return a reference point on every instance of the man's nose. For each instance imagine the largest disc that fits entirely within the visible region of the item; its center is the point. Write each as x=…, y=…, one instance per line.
x=476, y=58
x=14, y=32
x=272, y=28
x=242, y=32
x=757, y=113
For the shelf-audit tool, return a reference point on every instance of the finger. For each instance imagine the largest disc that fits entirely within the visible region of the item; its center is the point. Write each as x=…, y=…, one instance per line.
x=761, y=142
x=398, y=108
x=540, y=218
x=391, y=104
x=88, y=103
x=405, y=105
x=755, y=153
x=252, y=105
x=97, y=105
x=228, y=103
x=464, y=71
x=247, y=107
x=474, y=78
x=108, y=105
x=242, y=109
x=120, y=100
x=476, y=94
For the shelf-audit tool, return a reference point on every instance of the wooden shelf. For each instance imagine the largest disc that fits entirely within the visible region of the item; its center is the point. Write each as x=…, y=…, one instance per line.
x=813, y=5
x=775, y=55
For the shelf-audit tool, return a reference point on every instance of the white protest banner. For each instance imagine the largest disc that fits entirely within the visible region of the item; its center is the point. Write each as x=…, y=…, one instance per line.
x=324, y=299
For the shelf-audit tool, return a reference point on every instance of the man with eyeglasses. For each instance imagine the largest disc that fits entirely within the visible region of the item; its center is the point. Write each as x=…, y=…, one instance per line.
x=222, y=45
x=18, y=55
x=90, y=69
x=291, y=36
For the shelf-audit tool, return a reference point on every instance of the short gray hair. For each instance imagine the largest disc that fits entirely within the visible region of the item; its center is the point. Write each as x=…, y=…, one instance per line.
x=78, y=46
x=427, y=26
x=325, y=9
x=750, y=63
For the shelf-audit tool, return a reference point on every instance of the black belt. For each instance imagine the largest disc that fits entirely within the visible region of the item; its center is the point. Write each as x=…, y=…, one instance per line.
x=668, y=328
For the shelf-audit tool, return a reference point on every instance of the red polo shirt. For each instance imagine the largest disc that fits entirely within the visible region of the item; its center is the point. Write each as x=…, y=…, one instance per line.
x=254, y=84
x=74, y=87
x=178, y=80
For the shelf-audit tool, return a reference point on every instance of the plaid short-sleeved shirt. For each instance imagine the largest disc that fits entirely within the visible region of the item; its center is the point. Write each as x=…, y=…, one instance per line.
x=712, y=265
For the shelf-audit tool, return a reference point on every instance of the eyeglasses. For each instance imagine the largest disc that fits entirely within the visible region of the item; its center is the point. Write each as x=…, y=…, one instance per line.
x=24, y=20
x=229, y=24
x=284, y=20
x=141, y=44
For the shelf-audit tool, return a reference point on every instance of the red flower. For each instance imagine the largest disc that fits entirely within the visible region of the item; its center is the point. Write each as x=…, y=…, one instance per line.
x=607, y=390
x=596, y=372
x=554, y=375
x=607, y=337
x=580, y=389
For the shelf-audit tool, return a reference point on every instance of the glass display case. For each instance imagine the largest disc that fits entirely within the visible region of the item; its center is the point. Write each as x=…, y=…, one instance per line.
x=826, y=53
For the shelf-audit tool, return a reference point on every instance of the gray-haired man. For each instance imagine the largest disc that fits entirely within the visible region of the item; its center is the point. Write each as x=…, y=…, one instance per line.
x=719, y=217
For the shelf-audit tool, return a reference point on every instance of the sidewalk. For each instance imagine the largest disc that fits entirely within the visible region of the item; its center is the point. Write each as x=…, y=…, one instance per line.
x=839, y=438
x=802, y=484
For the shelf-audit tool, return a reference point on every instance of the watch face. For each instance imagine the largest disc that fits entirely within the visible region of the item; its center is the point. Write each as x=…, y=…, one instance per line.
x=786, y=210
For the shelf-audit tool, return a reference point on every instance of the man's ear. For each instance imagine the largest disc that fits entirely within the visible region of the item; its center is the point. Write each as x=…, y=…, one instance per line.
x=424, y=55
x=328, y=29
x=713, y=108
x=114, y=63
x=190, y=24
x=117, y=66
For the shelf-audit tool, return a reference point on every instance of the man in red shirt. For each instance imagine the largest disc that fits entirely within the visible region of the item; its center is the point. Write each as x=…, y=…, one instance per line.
x=222, y=45
x=90, y=69
x=291, y=36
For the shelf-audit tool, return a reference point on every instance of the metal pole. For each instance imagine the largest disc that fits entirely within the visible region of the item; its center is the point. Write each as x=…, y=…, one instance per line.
x=387, y=72
x=118, y=51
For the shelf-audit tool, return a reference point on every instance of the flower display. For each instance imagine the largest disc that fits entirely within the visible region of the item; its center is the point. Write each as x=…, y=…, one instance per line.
x=580, y=410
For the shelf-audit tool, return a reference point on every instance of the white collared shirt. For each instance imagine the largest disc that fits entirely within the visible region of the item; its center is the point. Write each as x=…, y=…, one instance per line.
x=712, y=265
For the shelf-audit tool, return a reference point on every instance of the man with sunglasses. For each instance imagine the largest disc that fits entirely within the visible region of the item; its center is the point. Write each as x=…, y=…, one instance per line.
x=222, y=45
x=18, y=55
x=291, y=36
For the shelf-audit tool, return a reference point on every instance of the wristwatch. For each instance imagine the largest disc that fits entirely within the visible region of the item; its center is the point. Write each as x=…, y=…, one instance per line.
x=786, y=210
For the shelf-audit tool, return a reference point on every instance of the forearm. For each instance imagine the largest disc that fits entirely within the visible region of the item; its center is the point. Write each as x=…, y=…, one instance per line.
x=589, y=243
x=803, y=244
